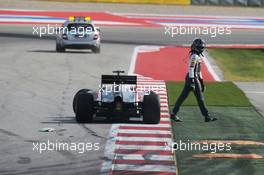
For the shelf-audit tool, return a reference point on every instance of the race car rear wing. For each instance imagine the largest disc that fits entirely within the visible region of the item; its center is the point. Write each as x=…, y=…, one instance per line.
x=119, y=79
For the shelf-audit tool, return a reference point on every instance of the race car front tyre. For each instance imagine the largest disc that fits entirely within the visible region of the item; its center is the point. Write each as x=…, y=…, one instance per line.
x=84, y=107
x=59, y=47
x=151, y=109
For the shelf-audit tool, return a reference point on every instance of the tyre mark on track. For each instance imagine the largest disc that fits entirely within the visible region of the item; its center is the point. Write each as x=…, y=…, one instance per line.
x=65, y=93
x=8, y=133
x=93, y=133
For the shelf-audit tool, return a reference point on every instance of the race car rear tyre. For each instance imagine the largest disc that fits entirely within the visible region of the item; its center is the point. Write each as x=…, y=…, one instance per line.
x=84, y=107
x=151, y=109
x=74, y=102
x=59, y=48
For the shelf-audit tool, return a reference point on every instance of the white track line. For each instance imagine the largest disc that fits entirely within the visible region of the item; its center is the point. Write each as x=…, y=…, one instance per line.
x=141, y=147
x=254, y=92
x=156, y=168
x=144, y=157
x=154, y=139
x=135, y=131
x=133, y=60
x=210, y=69
x=109, y=149
x=137, y=50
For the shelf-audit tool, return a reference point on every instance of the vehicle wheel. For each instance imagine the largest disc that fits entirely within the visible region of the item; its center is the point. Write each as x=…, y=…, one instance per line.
x=59, y=48
x=74, y=102
x=97, y=49
x=84, y=107
x=151, y=109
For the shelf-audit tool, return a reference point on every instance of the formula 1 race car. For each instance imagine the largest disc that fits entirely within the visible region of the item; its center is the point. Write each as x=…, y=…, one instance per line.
x=118, y=96
x=78, y=33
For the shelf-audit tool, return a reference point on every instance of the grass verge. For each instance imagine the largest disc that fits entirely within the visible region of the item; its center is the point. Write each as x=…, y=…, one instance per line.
x=237, y=120
x=217, y=94
x=240, y=64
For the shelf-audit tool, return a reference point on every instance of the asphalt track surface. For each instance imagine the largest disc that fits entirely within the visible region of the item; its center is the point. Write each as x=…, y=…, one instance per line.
x=254, y=91
x=38, y=84
x=37, y=87
x=145, y=36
